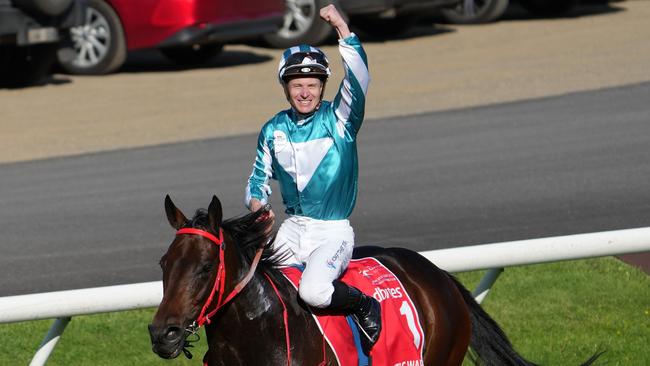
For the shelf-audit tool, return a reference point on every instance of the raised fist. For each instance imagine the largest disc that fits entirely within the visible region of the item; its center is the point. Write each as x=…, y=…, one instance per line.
x=334, y=18
x=331, y=15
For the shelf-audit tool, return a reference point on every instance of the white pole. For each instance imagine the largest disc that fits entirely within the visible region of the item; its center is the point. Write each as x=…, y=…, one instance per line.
x=80, y=302
x=486, y=283
x=544, y=250
x=50, y=341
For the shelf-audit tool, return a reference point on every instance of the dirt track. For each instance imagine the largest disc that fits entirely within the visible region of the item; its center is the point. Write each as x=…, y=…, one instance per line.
x=433, y=68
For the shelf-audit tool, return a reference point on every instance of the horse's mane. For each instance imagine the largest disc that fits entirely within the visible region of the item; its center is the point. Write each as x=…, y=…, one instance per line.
x=249, y=232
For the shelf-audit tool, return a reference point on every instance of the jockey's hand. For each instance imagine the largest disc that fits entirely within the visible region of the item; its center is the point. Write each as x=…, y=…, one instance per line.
x=332, y=16
x=256, y=205
x=269, y=212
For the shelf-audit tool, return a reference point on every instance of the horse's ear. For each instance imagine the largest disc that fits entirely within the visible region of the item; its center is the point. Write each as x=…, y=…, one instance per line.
x=174, y=215
x=215, y=213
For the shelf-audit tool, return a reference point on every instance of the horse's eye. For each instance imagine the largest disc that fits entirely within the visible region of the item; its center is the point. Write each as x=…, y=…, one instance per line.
x=162, y=262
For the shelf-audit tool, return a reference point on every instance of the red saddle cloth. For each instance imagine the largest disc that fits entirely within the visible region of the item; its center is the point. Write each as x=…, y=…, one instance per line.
x=401, y=339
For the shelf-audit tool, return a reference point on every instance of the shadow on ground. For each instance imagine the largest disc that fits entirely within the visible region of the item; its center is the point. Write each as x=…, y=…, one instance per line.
x=151, y=60
x=516, y=12
x=50, y=79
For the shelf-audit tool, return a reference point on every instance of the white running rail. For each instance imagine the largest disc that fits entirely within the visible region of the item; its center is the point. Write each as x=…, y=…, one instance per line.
x=63, y=305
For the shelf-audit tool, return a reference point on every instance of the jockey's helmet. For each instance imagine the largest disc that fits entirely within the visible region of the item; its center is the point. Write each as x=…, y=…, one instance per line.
x=303, y=61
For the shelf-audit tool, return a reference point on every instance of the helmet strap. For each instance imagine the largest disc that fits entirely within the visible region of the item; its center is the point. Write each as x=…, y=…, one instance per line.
x=322, y=92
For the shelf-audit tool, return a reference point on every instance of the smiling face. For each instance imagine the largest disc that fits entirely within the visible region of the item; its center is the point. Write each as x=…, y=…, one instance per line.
x=304, y=94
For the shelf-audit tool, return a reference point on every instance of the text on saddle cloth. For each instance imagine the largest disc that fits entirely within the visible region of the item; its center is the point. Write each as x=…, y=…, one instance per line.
x=401, y=340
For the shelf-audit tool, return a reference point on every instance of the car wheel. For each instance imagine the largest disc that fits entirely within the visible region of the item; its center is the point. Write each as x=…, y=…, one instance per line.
x=302, y=24
x=192, y=55
x=385, y=27
x=99, y=44
x=548, y=7
x=20, y=66
x=475, y=11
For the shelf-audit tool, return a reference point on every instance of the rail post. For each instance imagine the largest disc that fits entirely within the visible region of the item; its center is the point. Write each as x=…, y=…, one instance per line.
x=486, y=283
x=50, y=341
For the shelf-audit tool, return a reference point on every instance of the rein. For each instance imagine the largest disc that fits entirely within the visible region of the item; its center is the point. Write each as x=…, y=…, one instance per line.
x=220, y=281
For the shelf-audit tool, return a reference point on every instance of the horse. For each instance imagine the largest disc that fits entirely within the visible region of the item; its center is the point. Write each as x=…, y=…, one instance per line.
x=223, y=274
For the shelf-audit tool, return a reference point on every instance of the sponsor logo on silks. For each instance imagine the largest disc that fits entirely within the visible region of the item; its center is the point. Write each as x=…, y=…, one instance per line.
x=410, y=363
x=279, y=138
x=335, y=258
x=382, y=294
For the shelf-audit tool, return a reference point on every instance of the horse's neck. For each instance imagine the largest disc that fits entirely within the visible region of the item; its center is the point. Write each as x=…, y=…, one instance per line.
x=261, y=300
x=255, y=321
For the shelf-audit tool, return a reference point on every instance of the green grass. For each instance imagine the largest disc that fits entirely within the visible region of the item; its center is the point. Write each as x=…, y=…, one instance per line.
x=561, y=313
x=555, y=314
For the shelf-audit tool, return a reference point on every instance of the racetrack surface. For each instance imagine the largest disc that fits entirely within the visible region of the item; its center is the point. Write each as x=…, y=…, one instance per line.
x=437, y=171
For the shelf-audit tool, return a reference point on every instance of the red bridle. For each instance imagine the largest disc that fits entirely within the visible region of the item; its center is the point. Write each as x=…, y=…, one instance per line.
x=220, y=281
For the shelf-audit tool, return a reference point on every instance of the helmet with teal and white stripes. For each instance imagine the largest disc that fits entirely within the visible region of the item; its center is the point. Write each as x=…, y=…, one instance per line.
x=303, y=61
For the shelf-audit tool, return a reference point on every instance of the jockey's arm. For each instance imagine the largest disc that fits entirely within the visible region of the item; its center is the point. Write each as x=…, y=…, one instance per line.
x=258, y=189
x=350, y=100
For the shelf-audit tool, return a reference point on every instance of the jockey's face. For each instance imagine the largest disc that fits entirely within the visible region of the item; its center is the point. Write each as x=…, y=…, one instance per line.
x=304, y=94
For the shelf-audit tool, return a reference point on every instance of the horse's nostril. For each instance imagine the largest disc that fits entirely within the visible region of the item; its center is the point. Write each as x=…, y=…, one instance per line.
x=165, y=335
x=173, y=333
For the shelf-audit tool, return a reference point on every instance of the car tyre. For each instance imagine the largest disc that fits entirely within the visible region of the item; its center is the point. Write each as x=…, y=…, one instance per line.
x=192, y=55
x=99, y=44
x=385, y=27
x=475, y=11
x=302, y=24
x=21, y=66
x=548, y=7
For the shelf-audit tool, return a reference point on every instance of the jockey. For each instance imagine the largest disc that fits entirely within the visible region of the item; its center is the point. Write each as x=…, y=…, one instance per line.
x=311, y=150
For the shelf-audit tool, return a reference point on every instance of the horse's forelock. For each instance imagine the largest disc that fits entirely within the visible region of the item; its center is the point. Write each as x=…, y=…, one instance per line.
x=200, y=220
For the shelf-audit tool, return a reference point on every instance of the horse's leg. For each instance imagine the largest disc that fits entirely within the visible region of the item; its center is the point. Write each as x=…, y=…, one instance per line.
x=443, y=312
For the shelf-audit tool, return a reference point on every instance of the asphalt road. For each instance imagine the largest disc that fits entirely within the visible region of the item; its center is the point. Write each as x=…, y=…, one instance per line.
x=554, y=166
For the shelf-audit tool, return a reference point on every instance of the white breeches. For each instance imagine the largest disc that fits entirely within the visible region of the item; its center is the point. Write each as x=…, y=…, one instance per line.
x=324, y=247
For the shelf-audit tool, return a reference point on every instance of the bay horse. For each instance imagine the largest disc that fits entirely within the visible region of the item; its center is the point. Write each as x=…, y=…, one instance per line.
x=224, y=275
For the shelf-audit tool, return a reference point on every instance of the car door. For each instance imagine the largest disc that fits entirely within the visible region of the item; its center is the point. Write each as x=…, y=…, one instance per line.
x=238, y=10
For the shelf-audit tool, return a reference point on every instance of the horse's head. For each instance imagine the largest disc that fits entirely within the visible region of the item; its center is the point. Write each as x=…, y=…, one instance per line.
x=190, y=269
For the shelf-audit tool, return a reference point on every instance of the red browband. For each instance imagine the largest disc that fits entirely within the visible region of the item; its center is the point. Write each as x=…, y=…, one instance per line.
x=202, y=233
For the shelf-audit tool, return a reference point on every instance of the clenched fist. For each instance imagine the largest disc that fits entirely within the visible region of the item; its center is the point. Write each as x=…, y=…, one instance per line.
x=332, y=16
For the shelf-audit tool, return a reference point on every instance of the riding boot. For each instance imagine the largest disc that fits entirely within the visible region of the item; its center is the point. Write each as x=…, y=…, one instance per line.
x=365, y=311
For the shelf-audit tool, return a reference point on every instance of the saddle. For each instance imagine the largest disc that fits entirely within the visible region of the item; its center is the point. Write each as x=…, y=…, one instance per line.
x=401, y=340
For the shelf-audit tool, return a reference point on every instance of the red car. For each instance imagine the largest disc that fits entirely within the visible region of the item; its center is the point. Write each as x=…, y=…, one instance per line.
x=186, y=31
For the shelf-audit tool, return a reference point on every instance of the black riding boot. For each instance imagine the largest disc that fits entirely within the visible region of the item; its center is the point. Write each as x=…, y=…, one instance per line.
x=365, y=310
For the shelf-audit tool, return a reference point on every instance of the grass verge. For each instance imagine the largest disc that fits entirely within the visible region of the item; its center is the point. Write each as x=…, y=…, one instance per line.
x=554, y=314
